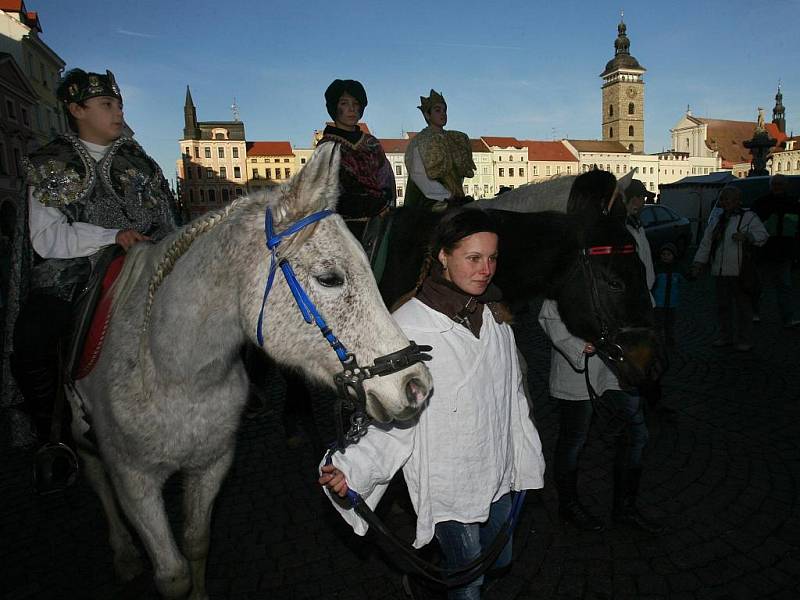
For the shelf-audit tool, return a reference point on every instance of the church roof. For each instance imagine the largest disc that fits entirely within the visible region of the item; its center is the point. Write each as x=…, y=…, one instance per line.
x=726, y=138
x=269, y=149
x=548, y=150
x=597, y=146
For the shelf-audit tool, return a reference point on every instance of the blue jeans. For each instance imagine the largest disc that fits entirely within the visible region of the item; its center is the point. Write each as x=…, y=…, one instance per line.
x=461, y=543
x=628, y=425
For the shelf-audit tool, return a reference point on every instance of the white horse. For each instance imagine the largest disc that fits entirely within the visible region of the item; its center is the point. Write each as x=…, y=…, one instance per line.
x=168, y=396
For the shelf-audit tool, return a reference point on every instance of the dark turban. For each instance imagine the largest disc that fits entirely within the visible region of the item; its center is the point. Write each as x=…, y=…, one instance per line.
x=339, y=87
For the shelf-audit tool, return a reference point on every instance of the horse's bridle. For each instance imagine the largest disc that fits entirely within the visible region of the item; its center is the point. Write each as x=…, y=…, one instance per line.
x=604, y=345
x=350, y=381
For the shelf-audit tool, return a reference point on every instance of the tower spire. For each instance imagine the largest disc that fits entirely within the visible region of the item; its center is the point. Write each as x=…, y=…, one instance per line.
x=779, y=112
x=190, y=129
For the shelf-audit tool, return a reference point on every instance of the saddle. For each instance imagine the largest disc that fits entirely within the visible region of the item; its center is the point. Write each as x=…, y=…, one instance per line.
x=93, y=314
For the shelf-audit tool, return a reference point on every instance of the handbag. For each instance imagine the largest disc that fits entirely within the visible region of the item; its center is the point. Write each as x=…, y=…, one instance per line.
x=748, y=274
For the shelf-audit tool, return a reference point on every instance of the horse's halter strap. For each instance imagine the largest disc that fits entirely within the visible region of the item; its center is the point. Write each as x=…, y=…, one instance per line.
x=350, y=381
x=604, y=345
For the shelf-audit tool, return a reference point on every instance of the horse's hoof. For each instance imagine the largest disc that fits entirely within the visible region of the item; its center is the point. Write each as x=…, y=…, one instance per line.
x=128, y=565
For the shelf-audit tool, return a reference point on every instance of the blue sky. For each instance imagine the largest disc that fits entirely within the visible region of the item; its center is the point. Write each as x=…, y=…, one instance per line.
x=518, y=68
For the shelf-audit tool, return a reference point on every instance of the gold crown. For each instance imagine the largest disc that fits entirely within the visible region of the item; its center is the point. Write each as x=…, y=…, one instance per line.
x=426, y=104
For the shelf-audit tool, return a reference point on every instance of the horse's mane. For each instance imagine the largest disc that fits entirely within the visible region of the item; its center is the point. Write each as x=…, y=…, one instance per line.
x=550, y=195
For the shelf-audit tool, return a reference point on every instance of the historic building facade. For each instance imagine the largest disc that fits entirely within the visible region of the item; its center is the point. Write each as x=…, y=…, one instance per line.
x=623, y=96
x=269, y=163
x=510, y=161
x=211, y=170
x=19, y=37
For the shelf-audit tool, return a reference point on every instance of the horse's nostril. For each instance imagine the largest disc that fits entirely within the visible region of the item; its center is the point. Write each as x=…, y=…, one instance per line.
x=416, y=391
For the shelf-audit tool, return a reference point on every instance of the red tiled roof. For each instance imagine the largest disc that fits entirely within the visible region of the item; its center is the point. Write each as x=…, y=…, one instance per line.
x=502, y=142
x=394, y=145
x=269, y=149
x=548, y=151
x=11, y=5
x=597, y=146
x=726, y=137
x=362, y=126
x=478, y=145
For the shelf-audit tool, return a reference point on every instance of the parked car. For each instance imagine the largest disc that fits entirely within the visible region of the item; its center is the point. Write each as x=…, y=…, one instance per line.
x=662, y=225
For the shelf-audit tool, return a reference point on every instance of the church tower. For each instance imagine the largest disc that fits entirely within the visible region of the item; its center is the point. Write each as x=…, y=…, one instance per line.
x=779, y=112
x=623, y=96
x=190, y=129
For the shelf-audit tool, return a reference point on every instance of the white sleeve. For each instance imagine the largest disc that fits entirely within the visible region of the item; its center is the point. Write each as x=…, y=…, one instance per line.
x=431, y=188
x=704, y=249
x=52, y=236
x=369, y=466
x=755, y=227
x=568, y=345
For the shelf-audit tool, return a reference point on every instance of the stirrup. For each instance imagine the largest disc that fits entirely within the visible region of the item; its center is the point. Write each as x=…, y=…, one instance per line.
x=55, y=468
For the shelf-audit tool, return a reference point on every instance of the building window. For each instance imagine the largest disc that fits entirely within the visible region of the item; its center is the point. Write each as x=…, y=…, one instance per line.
x=223, y=172
x=535, y=169
x=25, y=120
x=651, y=185
x=547, y=170
x=466, y=190
x=202, y=195
x=10, y=112
x=219, y=136
x=510, y=158
x=651, y=170
x=208, y=151
x=501, y=172
x=269, y=173
x=287, y=173
x=617, y=166
x=631, y=108
x=630, y=147
x=522, y=172
x=237, y=172
x=277, y=173
x=798, y=165
x=610, y=110
x=191, y=196
x=630, y=130
x=398, y=170
x=188, y=172
x=235, y=152
x=255, y=174
x=779, y=166
x=239, y=192
x=302, y=161
x=3, y=167
x=196, y=152
x=226, y=195
x=485, y=170
x=209, y=172
x=485, y=189
x=569, y=169
x=211, y=197
x=611, y=132
x=221, y=152
x=399, y=192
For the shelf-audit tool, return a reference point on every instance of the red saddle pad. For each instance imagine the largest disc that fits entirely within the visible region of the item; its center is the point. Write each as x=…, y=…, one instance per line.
x=100, y=321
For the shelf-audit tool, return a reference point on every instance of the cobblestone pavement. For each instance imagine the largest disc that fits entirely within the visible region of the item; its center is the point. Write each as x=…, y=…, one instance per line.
x=724, y=475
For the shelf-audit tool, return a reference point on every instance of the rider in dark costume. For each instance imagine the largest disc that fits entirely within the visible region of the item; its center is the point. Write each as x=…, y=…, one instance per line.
x=87, y=190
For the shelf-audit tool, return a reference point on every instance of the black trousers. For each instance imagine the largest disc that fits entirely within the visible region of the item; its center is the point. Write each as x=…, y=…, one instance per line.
x=42, y=323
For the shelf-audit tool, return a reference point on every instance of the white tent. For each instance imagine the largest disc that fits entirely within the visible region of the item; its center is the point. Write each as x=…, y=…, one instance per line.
x=693, y=197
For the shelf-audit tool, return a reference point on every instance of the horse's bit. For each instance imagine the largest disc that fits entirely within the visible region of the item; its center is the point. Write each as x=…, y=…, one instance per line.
x=350, y=381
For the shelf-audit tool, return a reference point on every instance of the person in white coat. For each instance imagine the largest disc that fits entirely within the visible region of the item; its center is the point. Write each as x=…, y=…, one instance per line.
x=474, y=442
x=634, y=197
x=723, y=248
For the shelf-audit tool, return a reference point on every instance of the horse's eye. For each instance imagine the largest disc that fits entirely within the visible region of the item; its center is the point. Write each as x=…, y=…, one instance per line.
x=330, y=279
x=615, y=285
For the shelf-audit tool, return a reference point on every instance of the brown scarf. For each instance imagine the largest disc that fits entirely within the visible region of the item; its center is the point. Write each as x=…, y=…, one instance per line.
x=445, y=297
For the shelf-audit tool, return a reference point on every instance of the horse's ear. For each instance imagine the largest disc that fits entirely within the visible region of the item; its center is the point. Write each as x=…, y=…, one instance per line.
x=315, y=187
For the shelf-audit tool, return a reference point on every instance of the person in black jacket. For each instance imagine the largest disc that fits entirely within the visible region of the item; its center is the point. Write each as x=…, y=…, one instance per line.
x=780, y=214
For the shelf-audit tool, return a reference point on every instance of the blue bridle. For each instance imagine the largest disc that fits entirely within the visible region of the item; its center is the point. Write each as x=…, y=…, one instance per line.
x=350, y=381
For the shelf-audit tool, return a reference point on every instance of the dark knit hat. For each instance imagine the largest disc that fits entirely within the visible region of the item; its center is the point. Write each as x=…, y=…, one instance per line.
x=341, y=86
x=78, y=85
x=636, y=188
x=669, y=247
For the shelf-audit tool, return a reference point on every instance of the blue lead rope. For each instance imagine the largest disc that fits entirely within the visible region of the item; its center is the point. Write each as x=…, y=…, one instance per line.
x=304, y=303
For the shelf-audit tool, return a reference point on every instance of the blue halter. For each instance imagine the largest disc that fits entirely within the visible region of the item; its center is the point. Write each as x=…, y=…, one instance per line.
x=304, y=303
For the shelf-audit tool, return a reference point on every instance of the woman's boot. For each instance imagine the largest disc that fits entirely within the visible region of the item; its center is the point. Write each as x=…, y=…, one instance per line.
x=570, y=509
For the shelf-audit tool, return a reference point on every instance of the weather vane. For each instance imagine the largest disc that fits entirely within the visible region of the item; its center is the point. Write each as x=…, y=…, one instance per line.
x=235, y=109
